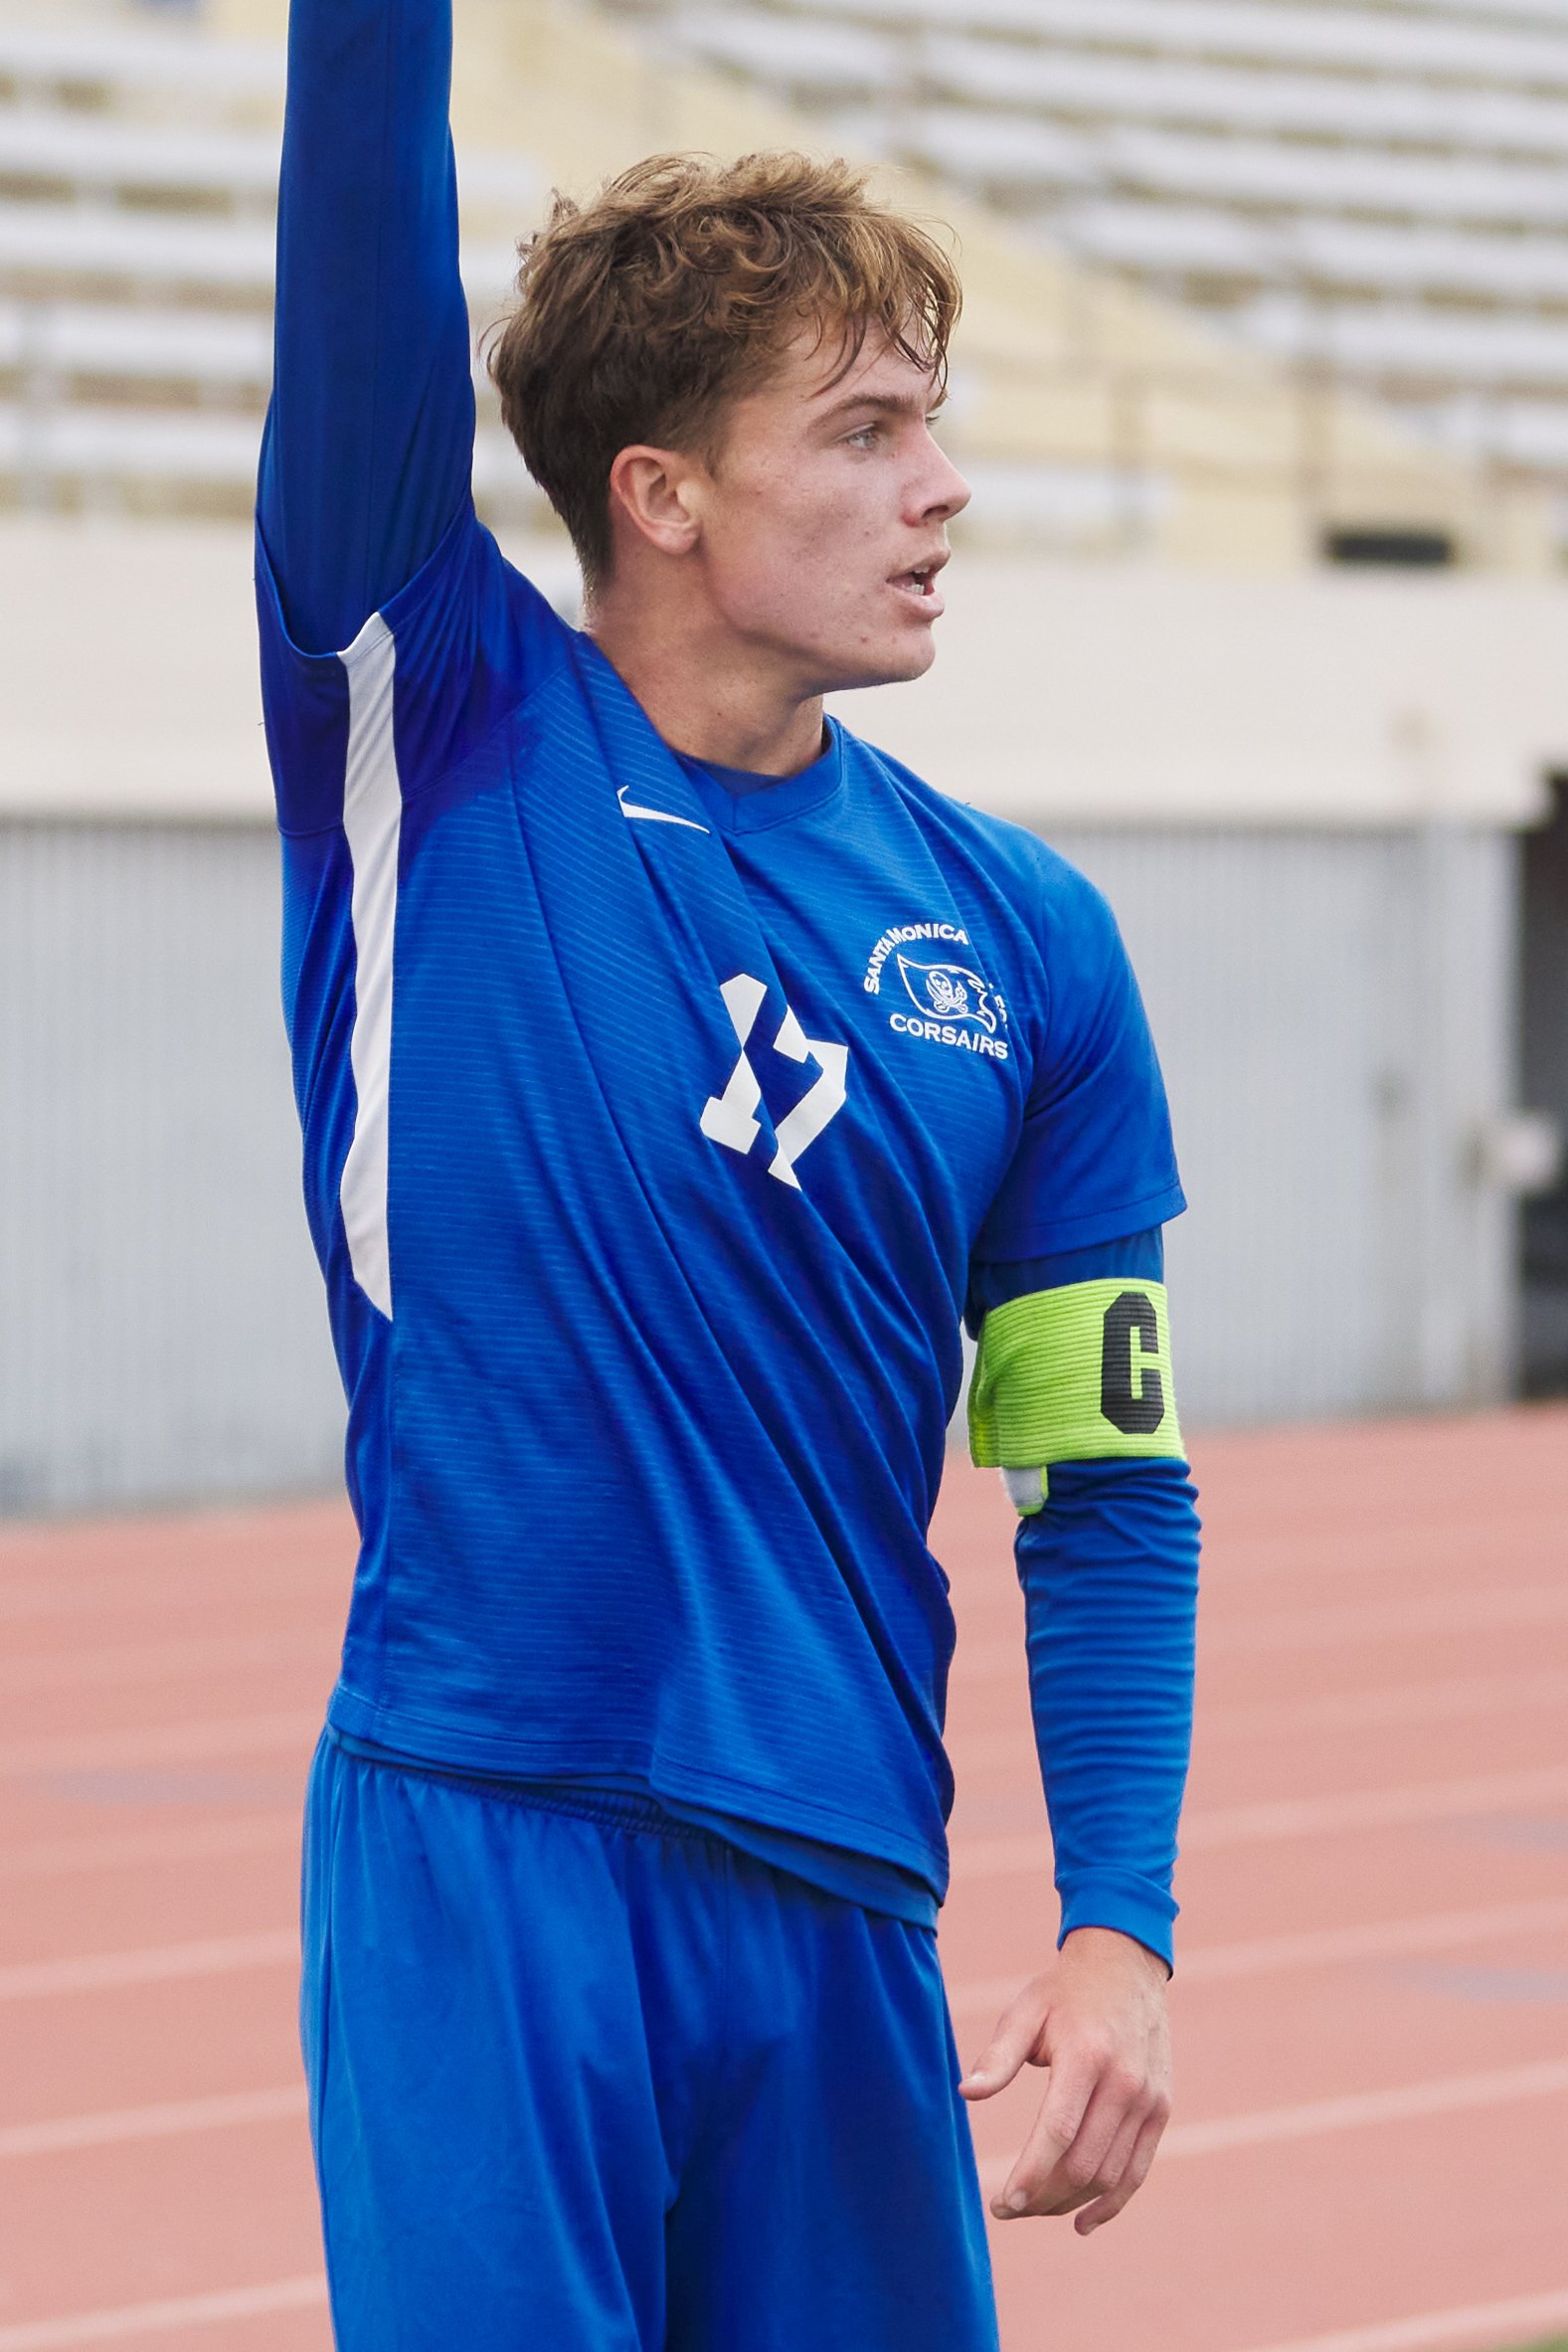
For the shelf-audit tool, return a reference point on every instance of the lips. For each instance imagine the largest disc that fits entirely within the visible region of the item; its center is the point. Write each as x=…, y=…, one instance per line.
x=920, y=582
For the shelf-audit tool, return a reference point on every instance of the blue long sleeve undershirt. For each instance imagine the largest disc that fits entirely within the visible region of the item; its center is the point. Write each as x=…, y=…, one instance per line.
x=1110, y=1574
x=1109, y=1577
x=367, y=452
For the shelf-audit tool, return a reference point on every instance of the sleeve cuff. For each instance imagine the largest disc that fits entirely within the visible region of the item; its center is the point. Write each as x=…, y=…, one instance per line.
x=1122, y=1901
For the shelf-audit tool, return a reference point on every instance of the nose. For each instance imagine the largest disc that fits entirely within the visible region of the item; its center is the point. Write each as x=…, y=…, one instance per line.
x=944, y=492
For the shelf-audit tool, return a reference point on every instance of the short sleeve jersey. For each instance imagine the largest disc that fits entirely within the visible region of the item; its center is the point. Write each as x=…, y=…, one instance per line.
x=652, y=1138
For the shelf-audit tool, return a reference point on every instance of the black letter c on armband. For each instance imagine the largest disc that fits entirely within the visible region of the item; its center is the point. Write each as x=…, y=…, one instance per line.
x=1135, y=1410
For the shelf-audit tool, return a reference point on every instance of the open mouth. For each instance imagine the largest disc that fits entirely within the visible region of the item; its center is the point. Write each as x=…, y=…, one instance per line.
x=920, y=582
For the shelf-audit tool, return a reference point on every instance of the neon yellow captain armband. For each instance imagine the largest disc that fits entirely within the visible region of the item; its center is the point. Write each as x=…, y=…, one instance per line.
x=1076, y=1375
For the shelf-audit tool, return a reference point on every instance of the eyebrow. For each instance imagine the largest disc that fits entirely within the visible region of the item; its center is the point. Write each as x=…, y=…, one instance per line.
x=887, y=404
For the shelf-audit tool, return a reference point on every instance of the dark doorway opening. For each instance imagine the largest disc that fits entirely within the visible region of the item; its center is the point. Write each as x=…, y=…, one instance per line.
x=1385, y=545
x=1544, y=1075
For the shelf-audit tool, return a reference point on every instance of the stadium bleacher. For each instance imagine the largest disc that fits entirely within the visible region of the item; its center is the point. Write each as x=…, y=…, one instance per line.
x=137, y=187
x=1375, y=187
x=138, y=176
x=47, y=63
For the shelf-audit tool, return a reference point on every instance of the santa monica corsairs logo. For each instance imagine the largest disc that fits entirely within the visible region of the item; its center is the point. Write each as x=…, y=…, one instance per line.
x=949, y=990
x=954, y=1004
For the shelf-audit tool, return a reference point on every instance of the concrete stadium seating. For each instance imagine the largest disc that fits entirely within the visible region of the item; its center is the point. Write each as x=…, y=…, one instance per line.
x=1395, y=177
x=42, y=62
x=83, y=244
x=113, y=158
x=113, y=340
x=119, y=444
x=137, y=187
x=138, y=182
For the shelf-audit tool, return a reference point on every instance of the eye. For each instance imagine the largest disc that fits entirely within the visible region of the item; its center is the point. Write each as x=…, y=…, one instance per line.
x=864, y=437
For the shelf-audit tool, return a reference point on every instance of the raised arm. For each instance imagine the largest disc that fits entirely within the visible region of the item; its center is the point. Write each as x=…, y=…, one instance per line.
x=369, y=444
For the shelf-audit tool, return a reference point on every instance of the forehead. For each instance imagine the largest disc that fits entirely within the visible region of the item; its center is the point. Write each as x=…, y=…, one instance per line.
x=809, y=380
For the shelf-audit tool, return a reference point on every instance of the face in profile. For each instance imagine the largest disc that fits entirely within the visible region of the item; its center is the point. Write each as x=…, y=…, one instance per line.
x=824, y=517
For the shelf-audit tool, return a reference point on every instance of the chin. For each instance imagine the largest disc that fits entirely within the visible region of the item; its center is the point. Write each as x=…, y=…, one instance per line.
x=905, y=662
x=893, y=664
x=918, y=656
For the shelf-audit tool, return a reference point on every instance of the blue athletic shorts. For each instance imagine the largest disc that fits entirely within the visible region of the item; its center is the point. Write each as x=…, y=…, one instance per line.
x=584, y=2079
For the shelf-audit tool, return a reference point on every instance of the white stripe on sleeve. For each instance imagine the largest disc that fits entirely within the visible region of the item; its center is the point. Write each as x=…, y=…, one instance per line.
x=372, y=818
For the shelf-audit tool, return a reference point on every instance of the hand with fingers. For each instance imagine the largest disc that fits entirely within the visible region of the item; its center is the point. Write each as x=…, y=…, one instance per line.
x=1096, y=2018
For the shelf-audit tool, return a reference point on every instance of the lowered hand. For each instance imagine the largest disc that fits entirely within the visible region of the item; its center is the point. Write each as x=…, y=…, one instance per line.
x=1096, y=2018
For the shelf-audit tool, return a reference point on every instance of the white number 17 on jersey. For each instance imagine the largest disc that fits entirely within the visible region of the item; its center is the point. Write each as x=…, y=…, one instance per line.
x=730, y=1118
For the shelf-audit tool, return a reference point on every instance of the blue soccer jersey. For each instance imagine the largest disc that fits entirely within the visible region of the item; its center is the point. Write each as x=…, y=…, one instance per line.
x=656, y=1134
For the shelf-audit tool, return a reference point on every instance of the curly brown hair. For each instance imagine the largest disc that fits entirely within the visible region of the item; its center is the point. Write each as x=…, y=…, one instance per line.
x=640, y=313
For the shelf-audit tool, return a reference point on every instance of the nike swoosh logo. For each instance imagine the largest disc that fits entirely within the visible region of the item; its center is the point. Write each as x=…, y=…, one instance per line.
x=654, y=816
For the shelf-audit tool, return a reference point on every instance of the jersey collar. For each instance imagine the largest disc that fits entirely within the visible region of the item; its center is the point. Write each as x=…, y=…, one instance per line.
x=751, y=805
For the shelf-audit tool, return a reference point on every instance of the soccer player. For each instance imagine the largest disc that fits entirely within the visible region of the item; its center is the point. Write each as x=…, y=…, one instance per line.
x=676, y=1071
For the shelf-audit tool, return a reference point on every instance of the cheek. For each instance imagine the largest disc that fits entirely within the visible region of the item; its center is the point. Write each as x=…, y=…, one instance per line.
x=796, y=557
x=805, y=510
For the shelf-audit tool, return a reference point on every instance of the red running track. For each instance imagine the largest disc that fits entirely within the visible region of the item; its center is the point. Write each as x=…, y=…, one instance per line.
x=1372, y=2145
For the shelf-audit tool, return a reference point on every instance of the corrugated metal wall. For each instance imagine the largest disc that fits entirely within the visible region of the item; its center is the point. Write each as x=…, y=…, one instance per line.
x=162, y=1330
x=1544, y=1056
x=1333, y=1012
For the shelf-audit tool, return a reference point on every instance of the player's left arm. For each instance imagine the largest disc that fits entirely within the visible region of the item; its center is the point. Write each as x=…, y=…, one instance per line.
x=1107, y=1557
x=1073, y=1400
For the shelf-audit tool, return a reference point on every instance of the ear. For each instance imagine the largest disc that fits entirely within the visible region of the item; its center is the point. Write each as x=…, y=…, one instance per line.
x=656, y=492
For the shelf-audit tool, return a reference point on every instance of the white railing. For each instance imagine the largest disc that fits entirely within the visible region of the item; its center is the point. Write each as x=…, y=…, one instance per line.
x=1386, y=341
x=1344, y=39
x=40, y=61
x=105, y=158
x=109, y=343
x=1211, y=96
x=813, y=60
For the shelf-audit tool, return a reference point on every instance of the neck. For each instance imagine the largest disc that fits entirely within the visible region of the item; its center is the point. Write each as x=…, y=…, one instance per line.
x=711, y=693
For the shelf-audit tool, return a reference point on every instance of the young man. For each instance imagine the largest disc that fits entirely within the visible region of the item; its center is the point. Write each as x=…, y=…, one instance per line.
x=674, y=1071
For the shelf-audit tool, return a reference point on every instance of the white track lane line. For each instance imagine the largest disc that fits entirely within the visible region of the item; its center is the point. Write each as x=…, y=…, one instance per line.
x=1474, y=2328
x=1322, y=1628
x=1451, y=2094
x=145, y=2319
x=1454, y=2095
x=92, y=1972
x=1433, y=1613
x=1292, y=1816
x=1457, y=1700
x=170, y=2119
x=120, y=1664
x=222, y=1956
x=1267, y=1955
x=1332, y=1710
x=1440, y=1702
x=1382, y=1940
x=227, y=1735
x=1376, y=1808
x=139, y=1848
x=294, y=1567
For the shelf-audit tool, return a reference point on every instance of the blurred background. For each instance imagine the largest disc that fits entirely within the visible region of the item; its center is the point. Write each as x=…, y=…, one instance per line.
x=1260, y=615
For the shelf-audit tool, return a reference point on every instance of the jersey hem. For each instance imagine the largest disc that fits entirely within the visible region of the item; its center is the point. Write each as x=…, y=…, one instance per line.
x=424, y=1740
